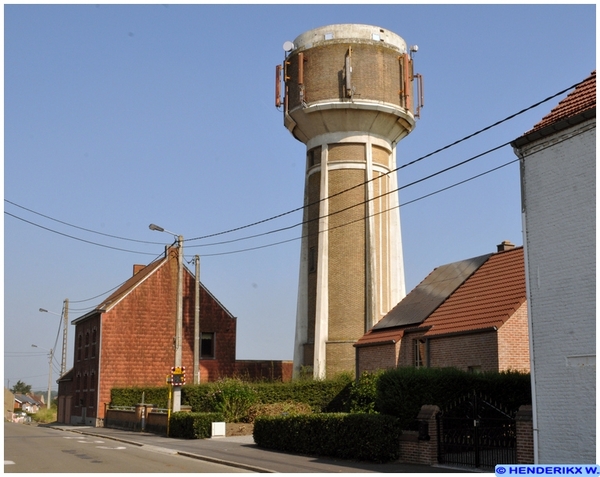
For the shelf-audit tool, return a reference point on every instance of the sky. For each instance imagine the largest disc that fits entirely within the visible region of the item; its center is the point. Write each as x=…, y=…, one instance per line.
x=118, y=116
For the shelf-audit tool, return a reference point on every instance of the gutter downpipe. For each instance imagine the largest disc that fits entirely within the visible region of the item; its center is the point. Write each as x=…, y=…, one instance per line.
x=529, y=315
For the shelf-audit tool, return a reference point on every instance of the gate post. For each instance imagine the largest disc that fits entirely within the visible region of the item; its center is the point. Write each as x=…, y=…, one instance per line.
x=524, y=444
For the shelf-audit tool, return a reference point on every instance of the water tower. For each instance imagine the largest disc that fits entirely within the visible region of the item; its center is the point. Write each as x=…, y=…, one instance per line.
x=346, y=91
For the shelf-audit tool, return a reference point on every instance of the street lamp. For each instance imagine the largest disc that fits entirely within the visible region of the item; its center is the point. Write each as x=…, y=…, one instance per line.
x=49, y=372
x=65, y=317
x=179, y=314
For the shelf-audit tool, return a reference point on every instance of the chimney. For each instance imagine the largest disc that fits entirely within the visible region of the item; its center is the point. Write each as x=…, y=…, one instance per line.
x=505, y=245
x=138, y=268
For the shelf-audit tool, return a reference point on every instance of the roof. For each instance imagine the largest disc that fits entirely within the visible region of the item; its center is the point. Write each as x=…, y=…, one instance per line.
x=125, y=288
x=23, y=398
x=487, y=299
x=576, y=107
x=474, y=294
x=136, y=280
x=582, y=98
x=430, y=293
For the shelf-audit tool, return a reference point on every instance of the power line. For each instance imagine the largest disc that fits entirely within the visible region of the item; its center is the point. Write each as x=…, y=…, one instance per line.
x=470, y=136
x=366, y=217
x=299, y=208
x=80, y=228
x=75, y=238
x=360, y=203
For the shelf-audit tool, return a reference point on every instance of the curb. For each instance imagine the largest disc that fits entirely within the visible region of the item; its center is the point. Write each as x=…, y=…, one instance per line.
x=227, y=462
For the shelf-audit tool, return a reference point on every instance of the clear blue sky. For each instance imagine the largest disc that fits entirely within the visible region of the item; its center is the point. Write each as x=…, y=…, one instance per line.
x=119, y=116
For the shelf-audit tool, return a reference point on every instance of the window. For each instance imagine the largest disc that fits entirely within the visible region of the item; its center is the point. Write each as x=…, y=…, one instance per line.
x=207, y=346
x=420, y=347
x=79, y=344
x=87, y=345
x=94, y=340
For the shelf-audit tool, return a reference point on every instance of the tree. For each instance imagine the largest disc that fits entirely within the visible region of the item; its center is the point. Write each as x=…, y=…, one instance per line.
x=21, y=388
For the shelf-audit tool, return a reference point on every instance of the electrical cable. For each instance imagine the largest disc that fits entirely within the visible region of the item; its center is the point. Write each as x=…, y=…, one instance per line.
x=497, y=123
x=75, y=238
x=80, y=228
x=364, y=218
x=359, y=203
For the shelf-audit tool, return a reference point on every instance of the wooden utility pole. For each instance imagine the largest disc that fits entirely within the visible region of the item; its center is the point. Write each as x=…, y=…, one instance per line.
x=197, y=323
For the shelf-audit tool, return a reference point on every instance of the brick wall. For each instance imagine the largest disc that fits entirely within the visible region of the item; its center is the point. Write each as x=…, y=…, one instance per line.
x=513, y=342
x=375, y=73
x=373, y=358
x=269, y=370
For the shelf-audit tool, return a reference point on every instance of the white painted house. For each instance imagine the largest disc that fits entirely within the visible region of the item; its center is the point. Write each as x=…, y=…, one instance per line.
x=558, y=176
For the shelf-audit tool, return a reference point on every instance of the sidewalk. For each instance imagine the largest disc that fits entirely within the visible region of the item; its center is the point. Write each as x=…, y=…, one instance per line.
x=242, y=452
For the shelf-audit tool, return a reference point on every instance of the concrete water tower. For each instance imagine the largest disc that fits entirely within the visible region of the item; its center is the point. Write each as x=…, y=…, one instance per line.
x=346, y=91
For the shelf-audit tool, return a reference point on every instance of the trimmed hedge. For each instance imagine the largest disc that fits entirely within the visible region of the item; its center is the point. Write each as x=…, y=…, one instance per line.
x=193, y=425
x=372, y=437
x=159, y=396
x=401, y=392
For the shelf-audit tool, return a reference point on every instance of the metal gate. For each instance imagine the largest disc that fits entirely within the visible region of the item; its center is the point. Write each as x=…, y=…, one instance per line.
x=476, y=432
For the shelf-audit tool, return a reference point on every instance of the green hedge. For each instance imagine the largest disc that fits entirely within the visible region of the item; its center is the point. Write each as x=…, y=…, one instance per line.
x=322, y=396
x=159, y=396
x=401, y=392
x=372, y=437
x=193, y=425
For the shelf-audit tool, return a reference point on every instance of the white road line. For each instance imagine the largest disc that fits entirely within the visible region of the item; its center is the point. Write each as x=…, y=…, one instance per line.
x=9, y=462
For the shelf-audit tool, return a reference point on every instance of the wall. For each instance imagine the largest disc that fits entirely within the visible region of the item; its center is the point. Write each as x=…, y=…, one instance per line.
x=513, y=342
x=558, y=178
x=373, y=358
x=137, y=334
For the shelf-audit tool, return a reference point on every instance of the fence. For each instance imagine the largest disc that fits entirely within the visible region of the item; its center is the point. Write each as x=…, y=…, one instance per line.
x=421, y=447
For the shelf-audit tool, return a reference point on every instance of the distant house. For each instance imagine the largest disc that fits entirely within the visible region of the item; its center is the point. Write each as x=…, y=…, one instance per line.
x=470, y=314
x=128, y=340
x=558, y=176
x=27, y=403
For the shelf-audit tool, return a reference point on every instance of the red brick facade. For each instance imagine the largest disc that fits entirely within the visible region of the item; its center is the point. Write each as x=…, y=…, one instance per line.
x=128, y=340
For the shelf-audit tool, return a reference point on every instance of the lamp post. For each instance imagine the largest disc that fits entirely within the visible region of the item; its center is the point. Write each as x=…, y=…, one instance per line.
x=51, y=354
x=65, y=317
x=179, y=313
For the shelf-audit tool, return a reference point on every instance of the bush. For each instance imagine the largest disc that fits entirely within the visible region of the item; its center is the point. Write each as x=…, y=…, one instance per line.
x=193, y=425
x=372, y=437
x=45, y=415
x=288, y=408
x=363, y=393
x=233, y=399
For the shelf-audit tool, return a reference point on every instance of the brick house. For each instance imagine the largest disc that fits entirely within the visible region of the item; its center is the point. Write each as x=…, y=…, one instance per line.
x=128, y=340
x=470, y=315
x=558, y=177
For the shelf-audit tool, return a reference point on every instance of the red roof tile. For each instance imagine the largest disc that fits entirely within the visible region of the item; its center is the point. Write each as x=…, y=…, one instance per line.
x=373, y=337
x=488, y=298
x=582, y=98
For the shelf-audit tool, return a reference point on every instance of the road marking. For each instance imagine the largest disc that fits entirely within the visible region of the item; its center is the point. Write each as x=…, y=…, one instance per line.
x=9, y=462
x=111, y=448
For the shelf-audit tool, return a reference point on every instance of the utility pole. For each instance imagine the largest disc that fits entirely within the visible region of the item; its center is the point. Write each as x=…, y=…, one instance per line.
x=197, y=323
x=50, y=378
x=178, y=314
x=63, y=361
x=179, y=324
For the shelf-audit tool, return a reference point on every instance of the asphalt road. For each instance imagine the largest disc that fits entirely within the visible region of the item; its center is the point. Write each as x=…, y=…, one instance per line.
x=40, y=449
